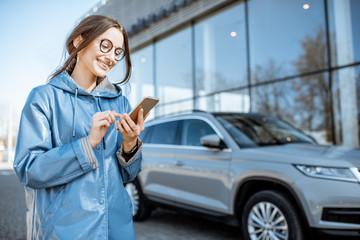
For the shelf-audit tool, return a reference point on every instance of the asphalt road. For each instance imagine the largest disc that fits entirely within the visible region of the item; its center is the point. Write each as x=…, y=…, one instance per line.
x=165, y=225
x=12, y=207
x=160, y=226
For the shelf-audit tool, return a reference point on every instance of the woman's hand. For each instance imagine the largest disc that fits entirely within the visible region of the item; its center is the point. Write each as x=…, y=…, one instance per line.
x=130, y=130
x=101, y=122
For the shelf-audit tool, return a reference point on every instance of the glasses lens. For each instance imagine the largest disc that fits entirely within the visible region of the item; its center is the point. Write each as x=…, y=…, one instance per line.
x=105, y=46
x=119, y=54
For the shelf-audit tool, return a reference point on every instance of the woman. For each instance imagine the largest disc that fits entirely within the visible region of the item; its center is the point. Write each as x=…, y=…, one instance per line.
x=70, y=156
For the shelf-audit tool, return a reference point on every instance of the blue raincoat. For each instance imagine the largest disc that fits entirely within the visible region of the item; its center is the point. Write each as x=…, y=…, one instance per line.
x=74, y=191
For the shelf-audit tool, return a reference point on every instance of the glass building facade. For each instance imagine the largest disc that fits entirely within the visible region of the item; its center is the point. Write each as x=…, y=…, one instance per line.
x=293, y=59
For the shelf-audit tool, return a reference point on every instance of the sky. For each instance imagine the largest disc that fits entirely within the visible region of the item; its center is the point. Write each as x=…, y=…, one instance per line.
x=33, y=35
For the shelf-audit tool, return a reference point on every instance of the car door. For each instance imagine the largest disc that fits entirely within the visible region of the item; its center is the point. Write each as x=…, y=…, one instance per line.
x=156, y=176
x=201, y=175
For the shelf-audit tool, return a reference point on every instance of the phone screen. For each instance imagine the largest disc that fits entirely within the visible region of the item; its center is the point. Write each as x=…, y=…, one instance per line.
x=147, y=103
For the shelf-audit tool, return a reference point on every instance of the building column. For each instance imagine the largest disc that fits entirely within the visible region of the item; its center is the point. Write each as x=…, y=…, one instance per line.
x=346, y=76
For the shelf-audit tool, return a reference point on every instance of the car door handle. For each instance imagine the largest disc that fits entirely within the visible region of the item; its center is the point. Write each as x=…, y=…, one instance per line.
x=179, y=163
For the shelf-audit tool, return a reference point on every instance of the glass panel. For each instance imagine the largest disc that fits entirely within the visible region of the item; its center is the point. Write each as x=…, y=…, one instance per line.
x=166, y=133
x=117, y=73
x=174, y=68
x=193, y=130
x=358, y=102
x=237, y=101
x=304, y=102
x=346, y=92
x=174, y=108
x=344, y=18
x=220, y=51
x=286, y=38
x=142, y=81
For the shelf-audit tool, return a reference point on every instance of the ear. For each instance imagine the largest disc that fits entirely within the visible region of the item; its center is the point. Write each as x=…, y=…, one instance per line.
x=77, y=41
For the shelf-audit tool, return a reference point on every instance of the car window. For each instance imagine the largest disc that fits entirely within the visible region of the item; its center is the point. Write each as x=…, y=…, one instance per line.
x=252, y=130
x=165, y=133
x=193, y=130
x=145, y=135
x=241, y=133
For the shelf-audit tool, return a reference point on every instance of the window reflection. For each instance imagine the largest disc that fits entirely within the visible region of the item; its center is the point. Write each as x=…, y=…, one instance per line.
x=346, y=86
x=117, y=74
x=358, y=99
x=174, y=68
x=252, y=130
x=344, y=31
x=175, y=108
x=193, y=131
x=166, y=133
x=142, y=82
x=283, y=36
x=220, y=51
x=304, y=102
x=236, y=101
x=287, y=39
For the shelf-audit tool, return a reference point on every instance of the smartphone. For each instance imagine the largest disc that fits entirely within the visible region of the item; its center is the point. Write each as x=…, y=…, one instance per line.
x=147, y=103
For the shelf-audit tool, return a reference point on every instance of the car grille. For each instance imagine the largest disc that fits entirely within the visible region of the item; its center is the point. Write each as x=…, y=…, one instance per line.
x=344, y=215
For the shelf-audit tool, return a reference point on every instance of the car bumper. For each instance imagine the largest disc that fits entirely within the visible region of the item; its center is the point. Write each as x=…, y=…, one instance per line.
x=330, y=206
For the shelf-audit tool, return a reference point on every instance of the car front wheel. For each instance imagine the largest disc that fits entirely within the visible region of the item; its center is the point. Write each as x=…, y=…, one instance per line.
x=270, y=215
x=140, y=210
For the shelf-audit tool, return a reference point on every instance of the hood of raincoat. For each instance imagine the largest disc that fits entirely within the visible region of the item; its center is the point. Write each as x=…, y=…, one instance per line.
x=74, y=191
x=104, y=89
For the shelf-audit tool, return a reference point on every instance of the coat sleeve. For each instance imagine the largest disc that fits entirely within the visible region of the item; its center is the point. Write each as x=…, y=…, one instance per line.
x=129, y=169
x=39, y=164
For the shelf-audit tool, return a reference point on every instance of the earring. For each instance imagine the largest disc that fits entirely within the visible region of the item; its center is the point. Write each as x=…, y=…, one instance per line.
x=77, y=57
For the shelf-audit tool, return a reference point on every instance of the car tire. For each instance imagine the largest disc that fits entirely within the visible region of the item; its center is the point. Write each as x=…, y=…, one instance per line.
x=284, y=220
x=140, y=210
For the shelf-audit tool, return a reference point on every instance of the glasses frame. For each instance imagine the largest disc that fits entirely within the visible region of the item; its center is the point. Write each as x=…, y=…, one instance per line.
x=112, y=46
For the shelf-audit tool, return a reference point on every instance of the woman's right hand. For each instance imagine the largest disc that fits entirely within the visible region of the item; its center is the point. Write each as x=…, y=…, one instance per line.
x=101, y=122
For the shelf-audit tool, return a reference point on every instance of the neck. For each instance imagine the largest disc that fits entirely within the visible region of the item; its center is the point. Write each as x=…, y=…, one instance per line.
x=84, y=79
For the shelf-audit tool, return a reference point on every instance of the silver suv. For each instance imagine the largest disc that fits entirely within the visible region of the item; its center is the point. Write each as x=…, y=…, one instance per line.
x=250, y=170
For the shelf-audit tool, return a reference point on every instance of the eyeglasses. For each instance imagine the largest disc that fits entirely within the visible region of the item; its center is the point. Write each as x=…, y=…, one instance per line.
x=106, y=45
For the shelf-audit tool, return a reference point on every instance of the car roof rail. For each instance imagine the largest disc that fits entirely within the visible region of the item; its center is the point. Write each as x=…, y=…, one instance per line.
x=198, y=110
x=179, y=113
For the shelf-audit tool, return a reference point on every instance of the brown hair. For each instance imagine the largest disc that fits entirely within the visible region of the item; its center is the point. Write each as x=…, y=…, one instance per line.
x=90, y=28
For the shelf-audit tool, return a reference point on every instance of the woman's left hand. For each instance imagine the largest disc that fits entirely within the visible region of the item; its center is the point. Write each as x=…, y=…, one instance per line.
x=130, y=130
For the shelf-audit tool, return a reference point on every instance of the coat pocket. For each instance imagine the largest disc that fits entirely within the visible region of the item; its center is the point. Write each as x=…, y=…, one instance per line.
x=46, y=224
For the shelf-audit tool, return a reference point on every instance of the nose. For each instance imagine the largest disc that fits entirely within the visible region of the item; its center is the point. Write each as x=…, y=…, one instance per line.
x=110, y=56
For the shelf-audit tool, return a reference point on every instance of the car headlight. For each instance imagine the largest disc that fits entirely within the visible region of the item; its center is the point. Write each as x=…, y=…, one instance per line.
x=343, y=174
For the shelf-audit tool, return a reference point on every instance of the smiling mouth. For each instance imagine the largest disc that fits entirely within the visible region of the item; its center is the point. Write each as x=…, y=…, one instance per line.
x=104, y=65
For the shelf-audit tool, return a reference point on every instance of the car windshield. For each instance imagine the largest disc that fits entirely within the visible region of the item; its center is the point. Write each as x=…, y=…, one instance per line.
x=253, y=130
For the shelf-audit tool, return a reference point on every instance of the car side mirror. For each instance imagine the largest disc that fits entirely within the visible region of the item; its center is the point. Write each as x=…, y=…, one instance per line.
x=212, y=141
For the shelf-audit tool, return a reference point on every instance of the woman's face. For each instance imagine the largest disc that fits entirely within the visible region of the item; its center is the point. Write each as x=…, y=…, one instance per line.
x=98, y=62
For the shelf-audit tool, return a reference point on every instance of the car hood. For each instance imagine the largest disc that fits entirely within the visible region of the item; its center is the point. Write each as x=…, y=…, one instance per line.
x=312, y=154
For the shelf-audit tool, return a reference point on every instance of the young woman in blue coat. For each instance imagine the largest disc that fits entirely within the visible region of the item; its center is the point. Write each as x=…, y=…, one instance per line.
x=70, y=156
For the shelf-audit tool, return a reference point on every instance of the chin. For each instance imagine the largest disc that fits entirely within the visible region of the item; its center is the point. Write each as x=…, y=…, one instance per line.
x=100, y=72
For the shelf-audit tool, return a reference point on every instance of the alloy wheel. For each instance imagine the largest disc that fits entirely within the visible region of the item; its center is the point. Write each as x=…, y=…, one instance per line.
x=267, y=222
